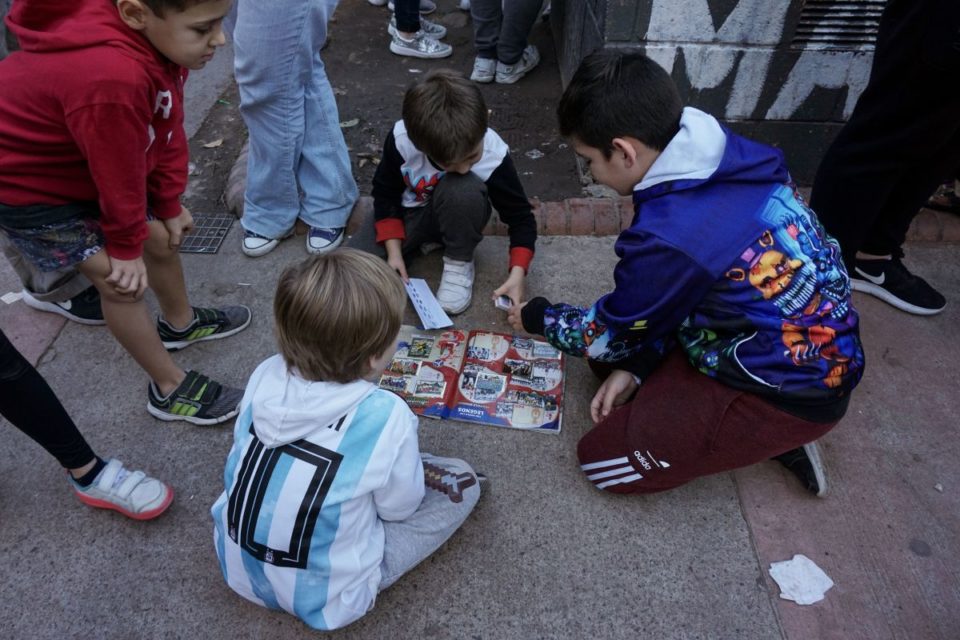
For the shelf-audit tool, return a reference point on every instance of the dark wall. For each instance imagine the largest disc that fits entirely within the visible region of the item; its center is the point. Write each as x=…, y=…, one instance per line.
x=787, y=72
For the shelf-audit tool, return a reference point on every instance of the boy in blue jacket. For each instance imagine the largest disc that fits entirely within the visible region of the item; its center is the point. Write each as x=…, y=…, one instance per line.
x=725, y=259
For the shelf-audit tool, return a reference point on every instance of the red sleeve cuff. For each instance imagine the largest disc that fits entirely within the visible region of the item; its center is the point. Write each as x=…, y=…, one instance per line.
x=390, y=229
x=521, y=257
x=165, y=209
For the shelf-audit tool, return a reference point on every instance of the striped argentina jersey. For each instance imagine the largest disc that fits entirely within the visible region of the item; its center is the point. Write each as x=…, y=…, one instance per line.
x=314, y=468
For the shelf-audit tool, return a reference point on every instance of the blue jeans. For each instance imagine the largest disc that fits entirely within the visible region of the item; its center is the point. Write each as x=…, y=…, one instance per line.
x=298, y=164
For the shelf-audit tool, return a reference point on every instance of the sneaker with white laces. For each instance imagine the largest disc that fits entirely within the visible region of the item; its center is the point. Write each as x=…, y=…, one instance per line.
x=430, y=29
x=198, y=400
x=132, y=493
x=456, y=285
x=322, y=240
x=83, y=308
x=510, y=73
x=426, y=6
x=484, y=70
x=420, y=46
x=807, y=464
x=256, y=245
x=207, y=324
x=893, y=283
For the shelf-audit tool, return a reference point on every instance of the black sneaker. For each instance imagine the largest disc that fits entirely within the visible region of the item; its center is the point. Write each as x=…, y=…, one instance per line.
x=198, y=400
x=890, y=281
x=806, y=463
x=208, y=324
x=83, y=308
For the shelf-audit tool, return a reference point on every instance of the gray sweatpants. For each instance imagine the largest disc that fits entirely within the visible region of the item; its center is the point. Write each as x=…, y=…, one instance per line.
x=501, y=27
x=452, y=492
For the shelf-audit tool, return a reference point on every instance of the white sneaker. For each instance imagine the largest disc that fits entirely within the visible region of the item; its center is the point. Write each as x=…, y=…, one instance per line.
x=484, y=70
x=456, y=285
x=421, y=46
x=464, y=5
x=431, y=29
x=132, y=493
x=510, y=73
x=256, y=245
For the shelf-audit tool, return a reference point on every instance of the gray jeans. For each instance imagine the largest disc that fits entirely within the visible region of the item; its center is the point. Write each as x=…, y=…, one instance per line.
x=455, y=216
x=501, y=27
x=452, y=492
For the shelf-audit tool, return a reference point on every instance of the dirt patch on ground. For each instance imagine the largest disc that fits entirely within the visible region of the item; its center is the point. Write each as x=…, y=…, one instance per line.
x=370, y=81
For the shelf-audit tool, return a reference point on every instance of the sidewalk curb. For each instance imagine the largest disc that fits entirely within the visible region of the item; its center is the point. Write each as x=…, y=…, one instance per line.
x=588, y=216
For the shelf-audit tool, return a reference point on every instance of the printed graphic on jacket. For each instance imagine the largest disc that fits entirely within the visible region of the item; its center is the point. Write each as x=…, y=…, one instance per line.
x=793, y=273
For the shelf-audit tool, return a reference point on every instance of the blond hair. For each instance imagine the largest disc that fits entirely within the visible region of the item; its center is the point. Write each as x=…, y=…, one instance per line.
x=335, y=312
x=445, y=116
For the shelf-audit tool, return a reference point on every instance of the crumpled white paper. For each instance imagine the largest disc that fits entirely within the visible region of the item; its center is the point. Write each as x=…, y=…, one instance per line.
x=800, y=579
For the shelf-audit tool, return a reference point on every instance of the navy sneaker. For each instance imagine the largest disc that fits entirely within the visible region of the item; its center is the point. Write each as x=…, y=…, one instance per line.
x=83, y=308
x=890, y=281
x=321, y=240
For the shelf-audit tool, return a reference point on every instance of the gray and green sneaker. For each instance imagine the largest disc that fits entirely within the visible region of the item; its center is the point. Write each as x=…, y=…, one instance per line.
x=208, y=324
x=198, y=400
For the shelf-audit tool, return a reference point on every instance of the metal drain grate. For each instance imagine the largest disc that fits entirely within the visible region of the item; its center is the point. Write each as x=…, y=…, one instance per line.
x=209, y=230
x=838, y=24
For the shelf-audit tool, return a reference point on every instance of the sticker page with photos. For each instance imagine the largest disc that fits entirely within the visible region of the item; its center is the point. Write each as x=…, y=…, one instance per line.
x=481, y=376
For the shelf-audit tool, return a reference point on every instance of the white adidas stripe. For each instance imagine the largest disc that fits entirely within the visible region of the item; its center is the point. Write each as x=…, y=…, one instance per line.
x=619, y=471
x=604, y=463
x=623, y=480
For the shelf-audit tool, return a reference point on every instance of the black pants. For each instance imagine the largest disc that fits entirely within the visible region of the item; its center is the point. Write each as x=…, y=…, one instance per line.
x=28, y=402
x=458, y=210
x=903, y=138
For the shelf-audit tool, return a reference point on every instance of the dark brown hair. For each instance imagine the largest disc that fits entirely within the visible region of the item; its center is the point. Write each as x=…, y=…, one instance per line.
x=445, y=116
x=615, y=94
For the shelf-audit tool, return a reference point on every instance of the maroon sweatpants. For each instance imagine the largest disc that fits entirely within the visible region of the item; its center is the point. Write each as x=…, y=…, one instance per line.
x=683, y=425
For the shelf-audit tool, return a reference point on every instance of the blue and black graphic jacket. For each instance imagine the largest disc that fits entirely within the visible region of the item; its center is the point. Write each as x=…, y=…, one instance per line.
x=724, y=257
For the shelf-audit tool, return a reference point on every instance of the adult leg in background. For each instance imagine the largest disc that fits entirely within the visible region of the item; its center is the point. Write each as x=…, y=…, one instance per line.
x=902, y=136
x=276, y=47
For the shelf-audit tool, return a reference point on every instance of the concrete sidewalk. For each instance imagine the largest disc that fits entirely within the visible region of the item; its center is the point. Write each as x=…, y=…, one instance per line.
x=544, y=555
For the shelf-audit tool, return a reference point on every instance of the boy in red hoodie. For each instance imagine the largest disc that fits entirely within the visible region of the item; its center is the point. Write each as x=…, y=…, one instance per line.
x=93, y=161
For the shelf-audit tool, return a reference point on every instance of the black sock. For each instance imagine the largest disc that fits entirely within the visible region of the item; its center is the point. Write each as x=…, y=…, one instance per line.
x=87, y=479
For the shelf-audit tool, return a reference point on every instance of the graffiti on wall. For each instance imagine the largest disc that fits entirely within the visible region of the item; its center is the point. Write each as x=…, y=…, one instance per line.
x=742, y=45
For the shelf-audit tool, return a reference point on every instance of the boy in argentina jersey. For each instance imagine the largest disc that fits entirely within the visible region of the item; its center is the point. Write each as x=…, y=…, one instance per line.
x=327, y=497
x=722, y=257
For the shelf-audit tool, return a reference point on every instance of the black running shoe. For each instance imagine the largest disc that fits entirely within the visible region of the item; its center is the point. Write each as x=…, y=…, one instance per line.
x=83, y=308
x=198, y=400
x=208, y=324
x=805, y=463
x=890, y=281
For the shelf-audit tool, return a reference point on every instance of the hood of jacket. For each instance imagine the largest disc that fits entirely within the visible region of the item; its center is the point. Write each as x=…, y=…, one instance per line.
x=287, y=408
x=54, y=25
x=704, y=150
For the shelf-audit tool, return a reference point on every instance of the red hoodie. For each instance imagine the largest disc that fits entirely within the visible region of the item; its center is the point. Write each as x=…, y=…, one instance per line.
x=90, y=111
